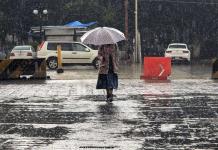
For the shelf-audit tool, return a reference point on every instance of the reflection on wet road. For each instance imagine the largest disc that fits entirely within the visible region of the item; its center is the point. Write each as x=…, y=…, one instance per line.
x=73, y=115
x=134, y=71
x=194, y=71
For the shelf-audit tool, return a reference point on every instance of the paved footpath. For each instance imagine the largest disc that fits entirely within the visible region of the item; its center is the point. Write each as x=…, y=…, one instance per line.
x=72, y=115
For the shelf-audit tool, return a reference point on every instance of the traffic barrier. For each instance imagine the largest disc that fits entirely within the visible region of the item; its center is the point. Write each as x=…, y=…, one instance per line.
x=16, y=68
x=156, y=68
x=215, y=69
x=59, y=51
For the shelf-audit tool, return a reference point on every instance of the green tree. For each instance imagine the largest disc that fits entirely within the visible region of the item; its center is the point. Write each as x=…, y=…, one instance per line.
x=161, y=23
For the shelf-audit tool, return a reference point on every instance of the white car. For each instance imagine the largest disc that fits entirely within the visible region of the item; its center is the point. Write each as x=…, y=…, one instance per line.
x=72, y=53
x=23, y=52
x=178, y=52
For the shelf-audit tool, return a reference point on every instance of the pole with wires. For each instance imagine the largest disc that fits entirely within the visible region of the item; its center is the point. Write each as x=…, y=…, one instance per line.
x=136, y=32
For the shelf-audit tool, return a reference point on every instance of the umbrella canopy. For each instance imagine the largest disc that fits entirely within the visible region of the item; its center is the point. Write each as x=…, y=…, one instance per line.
x=102, y=35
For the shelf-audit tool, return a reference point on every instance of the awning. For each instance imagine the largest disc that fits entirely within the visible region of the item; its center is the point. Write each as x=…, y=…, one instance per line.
x=78, y=24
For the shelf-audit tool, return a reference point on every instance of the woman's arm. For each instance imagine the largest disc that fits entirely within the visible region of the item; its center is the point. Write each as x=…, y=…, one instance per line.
x=100, y=53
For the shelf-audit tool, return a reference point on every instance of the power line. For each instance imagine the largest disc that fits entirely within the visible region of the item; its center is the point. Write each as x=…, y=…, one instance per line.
x=181, y=2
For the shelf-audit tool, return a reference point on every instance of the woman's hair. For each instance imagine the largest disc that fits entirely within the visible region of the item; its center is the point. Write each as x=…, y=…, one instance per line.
x=105, y=45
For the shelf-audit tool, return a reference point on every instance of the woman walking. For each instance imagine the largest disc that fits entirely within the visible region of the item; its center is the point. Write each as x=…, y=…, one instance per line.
x=107, y=77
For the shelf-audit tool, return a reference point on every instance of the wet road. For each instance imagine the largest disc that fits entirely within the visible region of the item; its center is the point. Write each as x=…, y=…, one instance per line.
x=72, y=115
x=179, y=71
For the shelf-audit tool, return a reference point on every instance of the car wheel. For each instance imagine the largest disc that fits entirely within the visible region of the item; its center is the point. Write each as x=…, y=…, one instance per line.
x=96, y=63
x=52, y=63
x=189, y=63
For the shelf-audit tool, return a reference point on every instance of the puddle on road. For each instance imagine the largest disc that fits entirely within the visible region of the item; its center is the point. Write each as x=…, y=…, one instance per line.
x=31, y=131
x=23, y=115
x=18, y=136
x=172, y=122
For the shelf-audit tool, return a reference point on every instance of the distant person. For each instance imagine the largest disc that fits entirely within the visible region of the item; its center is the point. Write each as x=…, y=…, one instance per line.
x=107, y=77
x=129, y=56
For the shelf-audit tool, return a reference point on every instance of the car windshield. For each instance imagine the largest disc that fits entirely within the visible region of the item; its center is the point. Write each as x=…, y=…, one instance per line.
x=22, y=48
x=178, y=46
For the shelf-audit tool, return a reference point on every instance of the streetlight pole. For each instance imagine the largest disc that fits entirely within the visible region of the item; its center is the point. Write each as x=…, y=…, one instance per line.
x=40, y=12
x=126, y=18
x=136, y=32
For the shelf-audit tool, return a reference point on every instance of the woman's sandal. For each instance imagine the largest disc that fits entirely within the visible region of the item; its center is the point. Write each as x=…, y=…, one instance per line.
x=110, y=98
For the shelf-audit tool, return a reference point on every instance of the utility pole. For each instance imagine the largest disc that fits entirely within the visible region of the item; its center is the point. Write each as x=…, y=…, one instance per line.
x=21, y=21
x=126, y=18
x=127, y=31
x=136, y=32
x=137, y=52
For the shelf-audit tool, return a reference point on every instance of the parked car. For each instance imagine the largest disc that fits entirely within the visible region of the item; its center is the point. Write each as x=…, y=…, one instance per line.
x=178, y=52
x=72, y=53
x=23, y=52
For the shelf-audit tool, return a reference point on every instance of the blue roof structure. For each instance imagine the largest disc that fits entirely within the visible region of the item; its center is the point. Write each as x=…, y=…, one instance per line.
x=78, y=24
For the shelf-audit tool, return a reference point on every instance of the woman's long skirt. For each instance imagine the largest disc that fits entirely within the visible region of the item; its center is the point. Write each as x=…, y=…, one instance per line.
x=107, y=81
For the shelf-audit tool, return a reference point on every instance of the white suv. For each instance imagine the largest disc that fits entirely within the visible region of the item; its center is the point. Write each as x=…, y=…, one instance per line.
x=178, y=52
x=72, y=53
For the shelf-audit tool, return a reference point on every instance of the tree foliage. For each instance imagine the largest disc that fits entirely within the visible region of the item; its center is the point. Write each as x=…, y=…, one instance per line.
x=194, y=23
x=160, y=21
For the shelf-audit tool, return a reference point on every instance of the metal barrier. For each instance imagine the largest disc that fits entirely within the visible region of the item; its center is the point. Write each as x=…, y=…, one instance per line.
x=21, y=68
